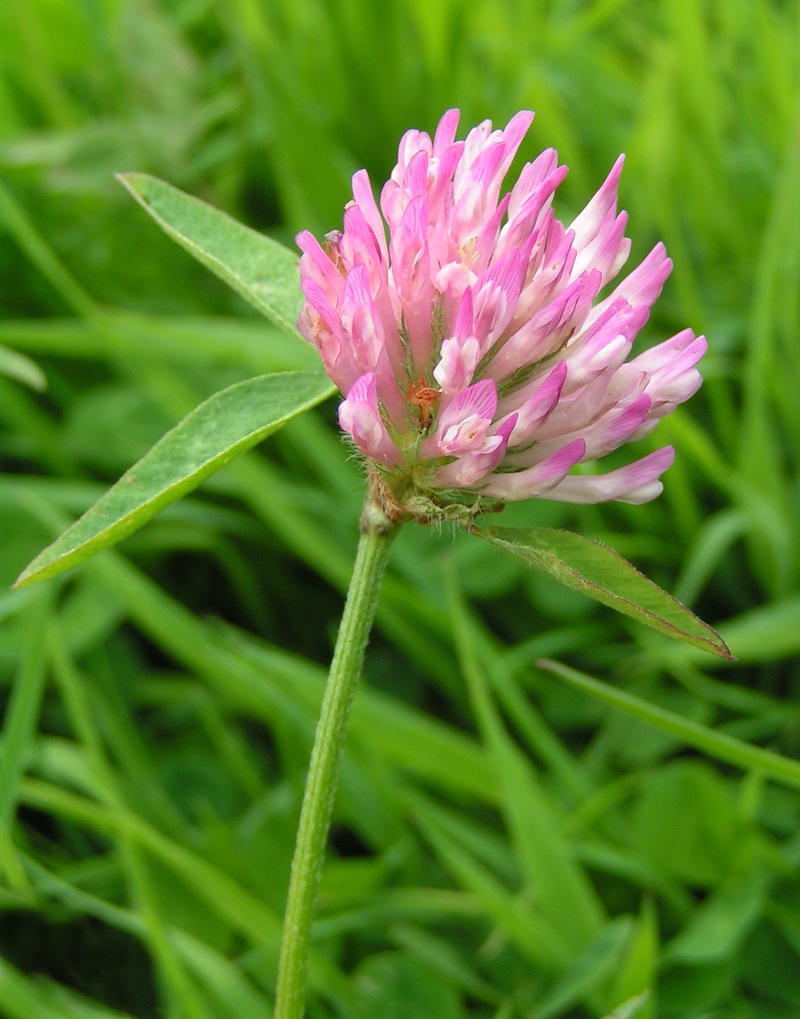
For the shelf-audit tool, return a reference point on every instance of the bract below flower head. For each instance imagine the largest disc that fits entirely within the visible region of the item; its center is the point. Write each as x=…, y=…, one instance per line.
x=467, y=332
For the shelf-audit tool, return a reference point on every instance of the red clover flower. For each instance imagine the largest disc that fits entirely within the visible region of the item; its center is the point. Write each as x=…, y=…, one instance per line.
x=475, y=353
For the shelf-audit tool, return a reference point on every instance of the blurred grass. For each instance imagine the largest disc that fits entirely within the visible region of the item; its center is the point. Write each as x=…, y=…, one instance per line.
x=504, y=844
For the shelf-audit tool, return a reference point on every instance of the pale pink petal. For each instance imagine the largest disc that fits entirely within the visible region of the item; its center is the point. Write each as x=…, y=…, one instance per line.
x=320, y=323
x=360, y=246
x=543, y=170
x=495, y=297
x=537, y=479
x=464, y=421
x=360, y=416
x=635, y=483
x=548, y=330
x=603, y=353
x=361, y=324
x=317, y=263
x=533, y=200
x=588, y=223
x=576, y=411
x=479, y=399
x=549, y=269
x=620, y=424
x=467, y=329
x=365, y=199
x=410, y=277
x=457, y=364
x=538, y=406
x=643, y=285
x=607, y=252
x=445, y=132
x=469, y=470
x=485, y=249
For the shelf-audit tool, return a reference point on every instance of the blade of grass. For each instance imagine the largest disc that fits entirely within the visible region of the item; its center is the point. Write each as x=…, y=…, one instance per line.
x=235, y=995
x=22, y=716
x=716, y=744
x=592, y=967
x=534, y=935
x=186, y=1001
x=23, y=998
x=556, y=886
x=42, y=255
x=452, y=758
x=224, y=894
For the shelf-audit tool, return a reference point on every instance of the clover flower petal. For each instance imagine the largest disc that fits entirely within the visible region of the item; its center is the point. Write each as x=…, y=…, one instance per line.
x=468, y=333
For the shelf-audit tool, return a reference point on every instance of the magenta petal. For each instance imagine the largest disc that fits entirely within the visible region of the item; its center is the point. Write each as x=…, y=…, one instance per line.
x=365, y=200
x=539, y=405
x=588, y=223
x=635, y=483
x=467, y=330
x=616, y=427
x=445, y=132
x=468, y=470
x=539, y=478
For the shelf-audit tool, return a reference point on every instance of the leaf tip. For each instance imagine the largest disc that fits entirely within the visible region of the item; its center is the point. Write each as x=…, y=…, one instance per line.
x=44, y=568
x=132, y=180
x=722, y=650
x=713, y=644
x=28, y=576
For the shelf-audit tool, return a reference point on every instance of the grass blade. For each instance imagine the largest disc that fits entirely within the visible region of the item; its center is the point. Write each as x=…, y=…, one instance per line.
x=716, y=744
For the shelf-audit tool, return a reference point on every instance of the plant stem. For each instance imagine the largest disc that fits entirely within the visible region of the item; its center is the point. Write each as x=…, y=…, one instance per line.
x=309, y=854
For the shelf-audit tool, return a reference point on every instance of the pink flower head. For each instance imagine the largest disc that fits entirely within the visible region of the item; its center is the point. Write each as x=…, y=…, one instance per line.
x=467, y=332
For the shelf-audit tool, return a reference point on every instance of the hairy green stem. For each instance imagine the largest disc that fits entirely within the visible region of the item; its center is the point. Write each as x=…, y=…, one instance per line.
x=309, y=854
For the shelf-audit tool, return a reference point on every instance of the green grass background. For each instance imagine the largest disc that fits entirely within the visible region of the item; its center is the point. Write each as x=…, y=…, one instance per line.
x=507, y=843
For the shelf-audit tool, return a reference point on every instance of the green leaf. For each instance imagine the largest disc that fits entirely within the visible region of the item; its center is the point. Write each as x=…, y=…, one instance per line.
x=226, y=425
x=258, y=268
x=21, y=368
x=599, y=572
